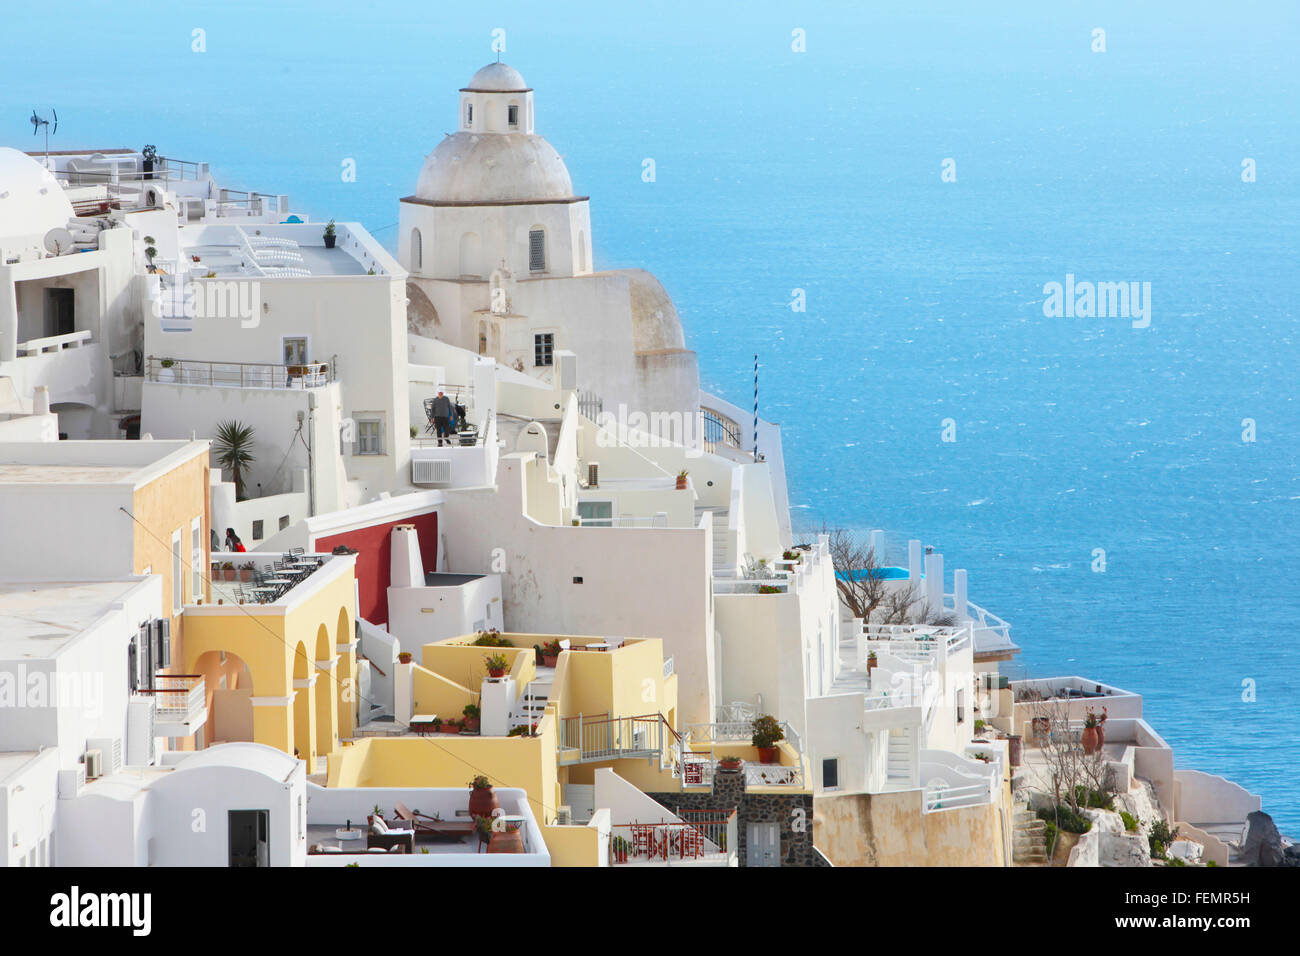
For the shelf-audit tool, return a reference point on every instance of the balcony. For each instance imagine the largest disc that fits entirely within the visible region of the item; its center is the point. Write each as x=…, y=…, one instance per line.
x=181, y=704
x=705, y=746
x=695, y=837
x=54, y=343
x=239, y=374
x=258, y=577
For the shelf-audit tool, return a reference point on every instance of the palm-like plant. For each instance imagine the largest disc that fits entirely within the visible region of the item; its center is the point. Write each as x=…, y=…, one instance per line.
x=232, y=445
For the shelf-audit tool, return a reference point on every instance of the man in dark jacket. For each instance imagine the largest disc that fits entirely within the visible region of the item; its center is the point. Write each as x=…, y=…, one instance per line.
x=442, y=412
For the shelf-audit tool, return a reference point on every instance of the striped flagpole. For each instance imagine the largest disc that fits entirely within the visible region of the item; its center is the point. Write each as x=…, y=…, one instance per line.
x=755, y=408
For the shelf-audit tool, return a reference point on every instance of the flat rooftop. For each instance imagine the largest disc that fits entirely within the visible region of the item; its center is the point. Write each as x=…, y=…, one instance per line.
x=64, y=474
x=93, y=462
x=38, y=618
x=444, y=579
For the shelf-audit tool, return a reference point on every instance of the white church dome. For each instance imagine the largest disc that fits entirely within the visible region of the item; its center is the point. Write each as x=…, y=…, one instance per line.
x=497, y=78
x=494, y=167
x=31, y=200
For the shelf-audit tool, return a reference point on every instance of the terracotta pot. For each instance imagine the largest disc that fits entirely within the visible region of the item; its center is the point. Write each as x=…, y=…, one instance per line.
x=509, y=840
x=769, y=755
x=482, y=802
x=496, y=672
x=245, y=576
x=681, y=483
x=871, y=665
x=448, y=729
x=1091, y=740
x=730, y=765
x=548, y=660
x=1015, y=750
x=472, y=724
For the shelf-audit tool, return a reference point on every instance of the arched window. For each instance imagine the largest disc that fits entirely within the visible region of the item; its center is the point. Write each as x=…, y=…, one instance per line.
x=537, y=249
x=417, y=250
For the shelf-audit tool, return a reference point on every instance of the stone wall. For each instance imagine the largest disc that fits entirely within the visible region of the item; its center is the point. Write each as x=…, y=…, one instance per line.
x=793, y=811
x=889, y=829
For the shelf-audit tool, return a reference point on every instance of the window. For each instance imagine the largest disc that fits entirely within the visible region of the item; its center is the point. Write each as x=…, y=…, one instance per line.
x=537, y=250
x=196, y=559
x=831, y=774
x=544, y=349
x=370, y=437
x=469, y=114
x=284, y=522
x=257, y=530
x=961, y=706
x=596, y=514
x=417, y=249
x=512, y=114
x=295, y=350
x=178, y=574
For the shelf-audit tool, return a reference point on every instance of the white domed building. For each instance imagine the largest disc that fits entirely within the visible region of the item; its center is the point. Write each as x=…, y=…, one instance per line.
x=499, y=250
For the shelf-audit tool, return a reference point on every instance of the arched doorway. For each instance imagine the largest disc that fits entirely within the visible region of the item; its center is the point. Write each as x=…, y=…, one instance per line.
x=229, y=690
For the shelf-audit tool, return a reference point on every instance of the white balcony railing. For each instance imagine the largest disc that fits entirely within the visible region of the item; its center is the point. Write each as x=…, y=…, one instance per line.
x=54, y=343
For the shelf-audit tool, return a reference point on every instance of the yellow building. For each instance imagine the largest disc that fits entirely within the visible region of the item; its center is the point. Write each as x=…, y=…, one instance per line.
x=281, y=673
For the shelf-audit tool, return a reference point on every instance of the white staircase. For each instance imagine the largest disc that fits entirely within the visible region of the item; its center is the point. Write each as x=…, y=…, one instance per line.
x=722, y=560
x=901, y=762
x=531, y=705
x=1028, y=839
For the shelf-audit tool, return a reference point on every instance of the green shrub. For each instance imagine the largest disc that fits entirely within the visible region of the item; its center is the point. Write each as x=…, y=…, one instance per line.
x=1174, y=861
x=1211, y=863
x=1065, y=818
x=1050, y=833
x=1097, y=799
x=1159, y=836
x=1130, y=821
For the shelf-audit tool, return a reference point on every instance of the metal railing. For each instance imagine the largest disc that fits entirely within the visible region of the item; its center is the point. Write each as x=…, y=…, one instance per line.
x=943, y=797
x=602, y=737
x=179, y=696
x=240, y=374
x=719, y=429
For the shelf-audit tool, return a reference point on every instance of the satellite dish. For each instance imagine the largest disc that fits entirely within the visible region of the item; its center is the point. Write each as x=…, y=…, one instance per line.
x=58, y=241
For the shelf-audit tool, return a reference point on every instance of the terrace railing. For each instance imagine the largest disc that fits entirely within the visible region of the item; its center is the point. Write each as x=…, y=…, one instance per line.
x=718, y=429
x=179, y=697
x=590, y=739
x=240, y=374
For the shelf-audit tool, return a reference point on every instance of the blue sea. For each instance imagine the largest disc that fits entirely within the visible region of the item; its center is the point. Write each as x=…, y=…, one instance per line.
x=820, y=171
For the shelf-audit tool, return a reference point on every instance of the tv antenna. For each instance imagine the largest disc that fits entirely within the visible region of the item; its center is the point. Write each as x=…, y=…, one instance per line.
x=37, y=122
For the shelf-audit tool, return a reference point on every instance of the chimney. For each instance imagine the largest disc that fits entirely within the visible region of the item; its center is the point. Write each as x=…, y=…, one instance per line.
x=404, y=550
x=41, y=400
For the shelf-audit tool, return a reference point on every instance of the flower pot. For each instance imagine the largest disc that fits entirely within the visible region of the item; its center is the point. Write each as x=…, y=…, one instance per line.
x=472, y=724
x=482, y=802
x=509, y=840
x=496, y=672
x=1091, y=740
x=548, y=660
x=245, y=576
x=448, y=729
x=681, y=483
x=871, y=665
x=1015, y=749
x=329, y=241
x=769, y=755
x=730, y=765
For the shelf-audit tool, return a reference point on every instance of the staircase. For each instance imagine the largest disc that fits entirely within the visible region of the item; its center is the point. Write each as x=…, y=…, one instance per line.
x=722, y=561
x=1028, y=839
x=900, y=765
x=531, y=705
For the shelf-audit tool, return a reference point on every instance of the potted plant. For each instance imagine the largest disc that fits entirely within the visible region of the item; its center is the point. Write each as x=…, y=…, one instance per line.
x=150, y=156
x=246, y=571
x=730, y=762
x=550, y=653
x=768, y=589
x=795, y=556
x=473, y=718
x=151, y=252
x=165, y=371
x=373, y=814
x=404, y=657
x=482, y=801
x=766, y=734
x=449, y=726
x=228, y=570
x=681, y=480
x=329, y=235
x=619, y=847
x=497, y=665
x=505, y=838
x=871, y=662
x=1094, y=733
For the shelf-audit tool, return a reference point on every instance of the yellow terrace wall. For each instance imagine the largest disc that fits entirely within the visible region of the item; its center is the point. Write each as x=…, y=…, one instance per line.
x=573, y=845
x=461, y=662
x=889, y=829
x=434, y=694
x=524, y=762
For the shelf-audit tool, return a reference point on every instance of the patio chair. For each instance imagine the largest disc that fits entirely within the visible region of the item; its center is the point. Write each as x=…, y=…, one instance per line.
x=451, y=830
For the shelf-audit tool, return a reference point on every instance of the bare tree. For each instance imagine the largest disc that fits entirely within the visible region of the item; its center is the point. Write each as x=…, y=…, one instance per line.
x=859, y=573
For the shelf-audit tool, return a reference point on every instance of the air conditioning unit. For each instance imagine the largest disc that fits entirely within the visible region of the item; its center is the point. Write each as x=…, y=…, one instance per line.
x=593, y=474
x=94, y=764
x=110, y=750
x=564, y=816
x=430, y=471
x=71, y=782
